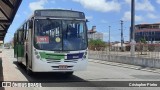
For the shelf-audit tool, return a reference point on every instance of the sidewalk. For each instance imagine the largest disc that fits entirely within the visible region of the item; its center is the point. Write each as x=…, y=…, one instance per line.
x=8, y=70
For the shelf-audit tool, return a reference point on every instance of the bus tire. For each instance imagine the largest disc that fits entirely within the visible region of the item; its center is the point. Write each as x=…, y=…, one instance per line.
x=19, y=63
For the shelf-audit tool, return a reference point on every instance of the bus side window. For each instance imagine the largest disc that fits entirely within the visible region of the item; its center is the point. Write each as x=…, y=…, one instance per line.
x=30, y=22
x=27, y=28
x=17, y=38
x=20, y=36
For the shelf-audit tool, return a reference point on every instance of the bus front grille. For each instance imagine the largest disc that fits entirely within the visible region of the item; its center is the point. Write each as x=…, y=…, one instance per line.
x=73, y=61
x=52, y=61
x=56, y=61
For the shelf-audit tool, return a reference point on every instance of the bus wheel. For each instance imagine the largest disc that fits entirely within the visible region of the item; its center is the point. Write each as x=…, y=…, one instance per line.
x=19, y=62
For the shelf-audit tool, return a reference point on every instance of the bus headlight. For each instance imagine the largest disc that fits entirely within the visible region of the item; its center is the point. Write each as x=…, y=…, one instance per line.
x=84, y=56
x=85, y=53
x=36, y=53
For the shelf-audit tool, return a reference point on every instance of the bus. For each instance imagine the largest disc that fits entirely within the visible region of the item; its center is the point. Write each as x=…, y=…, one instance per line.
x=52, y=40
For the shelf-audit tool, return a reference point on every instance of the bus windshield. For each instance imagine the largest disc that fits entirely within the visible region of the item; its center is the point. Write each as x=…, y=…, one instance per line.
x=61, y=35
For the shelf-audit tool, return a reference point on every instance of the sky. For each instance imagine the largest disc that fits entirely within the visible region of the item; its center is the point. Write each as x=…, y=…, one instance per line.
x=100, y=13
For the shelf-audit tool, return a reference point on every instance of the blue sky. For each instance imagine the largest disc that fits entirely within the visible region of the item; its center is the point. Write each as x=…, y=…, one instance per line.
x=101, y=13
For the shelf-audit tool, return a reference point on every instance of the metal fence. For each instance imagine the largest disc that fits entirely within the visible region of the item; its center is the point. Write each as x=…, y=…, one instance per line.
x=141, y=51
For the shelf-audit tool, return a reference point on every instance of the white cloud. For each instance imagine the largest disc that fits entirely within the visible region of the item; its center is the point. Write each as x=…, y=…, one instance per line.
x=158, y=1
x=103, y=21
x=138, y=18
x=24, y=12
x=143, y=5
x=106, y=34
x=152, y=16
x=53, y=1
x=128, y=1
x=127, y=17
x=100, y=5
x=37, y=5
x=89, y=17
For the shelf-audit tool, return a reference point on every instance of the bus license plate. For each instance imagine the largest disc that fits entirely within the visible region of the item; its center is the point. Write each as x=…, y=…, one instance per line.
x=62, y=66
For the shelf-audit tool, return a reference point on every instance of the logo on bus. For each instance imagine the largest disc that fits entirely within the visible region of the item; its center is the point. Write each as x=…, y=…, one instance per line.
x=75, y=56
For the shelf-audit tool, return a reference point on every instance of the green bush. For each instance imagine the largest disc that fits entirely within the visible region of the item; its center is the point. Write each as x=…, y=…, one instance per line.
x=97, y=44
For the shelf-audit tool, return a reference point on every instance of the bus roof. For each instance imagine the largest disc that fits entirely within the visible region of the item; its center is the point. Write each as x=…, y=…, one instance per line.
x=59, y=13
x=57, y=10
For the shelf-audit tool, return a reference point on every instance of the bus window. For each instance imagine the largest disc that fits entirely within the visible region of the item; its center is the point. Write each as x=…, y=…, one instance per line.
x=47, y=35
x=25, y=30
x=74, y=35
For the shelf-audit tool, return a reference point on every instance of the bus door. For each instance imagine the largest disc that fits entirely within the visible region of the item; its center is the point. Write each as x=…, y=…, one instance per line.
x=15, y=45
x=20, y=46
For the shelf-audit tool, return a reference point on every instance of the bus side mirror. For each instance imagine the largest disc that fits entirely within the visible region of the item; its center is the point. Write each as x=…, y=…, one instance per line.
x=87, y=20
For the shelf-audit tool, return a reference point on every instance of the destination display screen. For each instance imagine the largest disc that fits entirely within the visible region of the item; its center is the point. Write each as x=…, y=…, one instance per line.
x=60, y=14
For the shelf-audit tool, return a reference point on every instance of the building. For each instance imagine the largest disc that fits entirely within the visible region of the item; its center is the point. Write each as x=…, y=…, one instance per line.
x=93, y=34
x=117, y=46
x=149, y=32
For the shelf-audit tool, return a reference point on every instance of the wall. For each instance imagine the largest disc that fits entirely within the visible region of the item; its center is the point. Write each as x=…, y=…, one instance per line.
x=146, y=62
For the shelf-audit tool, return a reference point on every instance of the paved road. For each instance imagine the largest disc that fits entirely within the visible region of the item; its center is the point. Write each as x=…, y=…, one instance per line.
x=96, y=71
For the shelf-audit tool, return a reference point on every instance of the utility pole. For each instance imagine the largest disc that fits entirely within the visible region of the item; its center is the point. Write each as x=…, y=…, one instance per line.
x=109, y=38
x=132, y=28
x=122, y=39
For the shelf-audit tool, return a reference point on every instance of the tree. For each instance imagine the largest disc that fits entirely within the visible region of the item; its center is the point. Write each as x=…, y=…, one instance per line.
x=97, y=45
x=142, y=43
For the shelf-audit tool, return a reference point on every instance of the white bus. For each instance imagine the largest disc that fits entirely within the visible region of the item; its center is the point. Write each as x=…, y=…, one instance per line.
x=52, y=40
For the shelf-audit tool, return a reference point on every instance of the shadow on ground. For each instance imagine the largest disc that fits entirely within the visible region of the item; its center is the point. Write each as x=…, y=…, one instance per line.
x=47, y=76
x=50, y=79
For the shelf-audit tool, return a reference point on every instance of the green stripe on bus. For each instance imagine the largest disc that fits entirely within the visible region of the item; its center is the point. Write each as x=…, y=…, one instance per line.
x=51, y=56
x=20, y=49
x=15, y=50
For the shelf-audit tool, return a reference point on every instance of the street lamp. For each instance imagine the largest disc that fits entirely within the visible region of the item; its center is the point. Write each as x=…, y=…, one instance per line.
x=132, y=28
x=109, y=37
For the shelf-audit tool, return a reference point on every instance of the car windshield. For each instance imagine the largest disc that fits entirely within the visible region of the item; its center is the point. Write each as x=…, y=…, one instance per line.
x=60, y=35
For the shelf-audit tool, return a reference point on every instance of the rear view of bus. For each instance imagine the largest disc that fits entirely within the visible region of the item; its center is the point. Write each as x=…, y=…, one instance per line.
x=57, y=41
